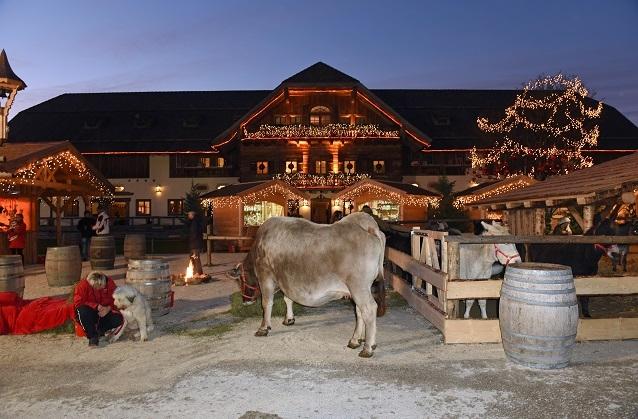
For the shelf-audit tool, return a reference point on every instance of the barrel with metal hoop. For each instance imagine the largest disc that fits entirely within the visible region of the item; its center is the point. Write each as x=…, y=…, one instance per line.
x=151, y=277
x=102, y=252
x=11, y=274
x=63, y=265
x=538, y=314
x=134, y=246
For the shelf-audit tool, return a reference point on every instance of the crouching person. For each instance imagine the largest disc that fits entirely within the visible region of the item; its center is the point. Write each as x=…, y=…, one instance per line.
x=94, y=307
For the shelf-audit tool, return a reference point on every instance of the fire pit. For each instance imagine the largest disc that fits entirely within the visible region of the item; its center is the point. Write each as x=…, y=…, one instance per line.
x=188, y=278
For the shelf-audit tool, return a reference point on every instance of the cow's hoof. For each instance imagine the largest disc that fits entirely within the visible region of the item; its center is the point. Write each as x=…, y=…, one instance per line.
x=262, y=332
x=289, y=322
x=365, y=353
x=354, y=345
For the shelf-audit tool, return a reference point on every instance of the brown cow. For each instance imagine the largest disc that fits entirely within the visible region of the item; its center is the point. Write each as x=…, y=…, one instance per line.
x=313, y=264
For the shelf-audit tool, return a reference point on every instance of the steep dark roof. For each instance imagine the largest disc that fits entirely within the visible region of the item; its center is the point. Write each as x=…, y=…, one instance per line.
x=178, y=121
x=7, y=73
x=320, y=73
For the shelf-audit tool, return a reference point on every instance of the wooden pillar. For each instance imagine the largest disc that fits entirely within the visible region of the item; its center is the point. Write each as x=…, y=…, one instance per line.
x=588, y=217
x=209, y=245
x=334, y=150
x=58, y=220
x=305, y=155
x=539, y=221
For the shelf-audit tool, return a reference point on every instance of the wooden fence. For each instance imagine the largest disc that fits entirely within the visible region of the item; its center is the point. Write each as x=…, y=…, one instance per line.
x=436, y=289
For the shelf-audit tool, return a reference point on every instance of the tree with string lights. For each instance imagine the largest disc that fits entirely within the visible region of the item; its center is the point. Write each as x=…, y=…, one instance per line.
x=543, y=133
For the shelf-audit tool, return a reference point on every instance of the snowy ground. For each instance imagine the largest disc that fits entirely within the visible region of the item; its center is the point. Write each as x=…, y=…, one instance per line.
x=301, y=371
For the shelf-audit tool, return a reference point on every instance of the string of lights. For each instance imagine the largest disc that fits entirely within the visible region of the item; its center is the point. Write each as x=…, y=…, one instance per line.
x=65, y=161
x=519, y=183
x=269, y=193
x=331, y=180
x=325, y=131
x=401, y=199
x=543, y=132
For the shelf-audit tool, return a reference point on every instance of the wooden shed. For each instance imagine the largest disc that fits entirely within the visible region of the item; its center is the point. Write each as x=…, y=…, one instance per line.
x=491, y=189
x=581, y=192
x=239, y=209
x=392, y=201
x=53, y=172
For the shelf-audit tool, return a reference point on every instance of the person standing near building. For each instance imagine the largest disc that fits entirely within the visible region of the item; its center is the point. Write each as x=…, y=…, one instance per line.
x=16, y=234
x=85, y=227
x=195, y=226
x=101, y=226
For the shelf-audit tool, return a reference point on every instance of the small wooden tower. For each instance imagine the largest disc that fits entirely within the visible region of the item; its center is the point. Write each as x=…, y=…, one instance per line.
x=10, y=83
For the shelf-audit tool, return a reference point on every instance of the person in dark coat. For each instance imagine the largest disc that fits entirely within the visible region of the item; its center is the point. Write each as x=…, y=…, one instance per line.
x=195, y=226
x=85, y=227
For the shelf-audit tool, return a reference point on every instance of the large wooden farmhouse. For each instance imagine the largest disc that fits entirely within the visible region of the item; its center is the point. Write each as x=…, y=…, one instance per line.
x=320, y=131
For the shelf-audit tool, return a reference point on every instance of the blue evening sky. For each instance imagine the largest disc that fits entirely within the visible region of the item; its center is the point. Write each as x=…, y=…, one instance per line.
x=93, y=46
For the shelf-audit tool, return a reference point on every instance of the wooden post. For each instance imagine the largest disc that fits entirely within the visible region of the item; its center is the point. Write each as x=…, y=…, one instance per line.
x=588, y=217
x=209, y=246
x=453, y=262
x=58, y=220
x=539, y=221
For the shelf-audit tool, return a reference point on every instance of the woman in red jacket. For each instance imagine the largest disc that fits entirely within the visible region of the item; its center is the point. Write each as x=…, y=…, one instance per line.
x=94, y=307
x=16, y=235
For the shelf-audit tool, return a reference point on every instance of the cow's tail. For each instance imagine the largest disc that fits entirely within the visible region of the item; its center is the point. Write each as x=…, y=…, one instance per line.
x=379, y=282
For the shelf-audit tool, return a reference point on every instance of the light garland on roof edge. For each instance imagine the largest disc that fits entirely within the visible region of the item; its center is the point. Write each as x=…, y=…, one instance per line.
x=411, y=200
x=500, y=190
x=267, y=194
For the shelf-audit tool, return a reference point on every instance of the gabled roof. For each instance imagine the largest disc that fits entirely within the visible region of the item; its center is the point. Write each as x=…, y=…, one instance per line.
x=323, y=76
x=321, y=73
x=243, y=190
x=393, y=191
x=7, y=74
x=586, y=185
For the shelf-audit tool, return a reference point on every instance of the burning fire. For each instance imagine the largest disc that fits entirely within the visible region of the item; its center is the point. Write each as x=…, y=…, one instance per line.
x=189, y=272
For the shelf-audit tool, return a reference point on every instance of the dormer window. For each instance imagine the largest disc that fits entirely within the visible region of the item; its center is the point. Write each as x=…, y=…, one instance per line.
x=320, y=116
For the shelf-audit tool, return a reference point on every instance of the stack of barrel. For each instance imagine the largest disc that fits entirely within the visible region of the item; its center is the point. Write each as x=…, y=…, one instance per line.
x=538, y=314
x=11, y=274
x=151, y=277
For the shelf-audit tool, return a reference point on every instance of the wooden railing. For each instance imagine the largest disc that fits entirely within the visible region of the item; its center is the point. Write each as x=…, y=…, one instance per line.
x=435, y=288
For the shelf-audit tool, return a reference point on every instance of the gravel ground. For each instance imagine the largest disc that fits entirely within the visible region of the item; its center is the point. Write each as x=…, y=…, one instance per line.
x=304, y=370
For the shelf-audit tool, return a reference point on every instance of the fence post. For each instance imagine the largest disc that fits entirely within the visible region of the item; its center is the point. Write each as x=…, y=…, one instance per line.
x=209, y=246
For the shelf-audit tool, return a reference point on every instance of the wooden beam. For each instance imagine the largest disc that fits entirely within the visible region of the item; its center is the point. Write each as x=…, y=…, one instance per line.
x=597, y=285
x=511, y=205
x=409, y=264
x=462, y=290
x=573, y=211
x=417, y=302
x=573, y=239
x=471, y=331
x=608, y=329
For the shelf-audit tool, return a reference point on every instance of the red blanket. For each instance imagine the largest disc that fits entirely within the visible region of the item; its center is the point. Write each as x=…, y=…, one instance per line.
x=21, y=317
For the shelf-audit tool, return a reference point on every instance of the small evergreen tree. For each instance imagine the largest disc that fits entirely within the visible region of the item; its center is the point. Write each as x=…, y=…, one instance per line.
x=192, y=201
x=446, y=208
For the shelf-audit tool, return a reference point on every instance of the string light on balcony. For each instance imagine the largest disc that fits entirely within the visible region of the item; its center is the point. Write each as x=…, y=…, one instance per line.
x=331, y=180
x=326, y=131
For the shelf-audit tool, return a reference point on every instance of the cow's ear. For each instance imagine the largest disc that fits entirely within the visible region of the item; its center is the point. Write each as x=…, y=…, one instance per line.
x=130, y=298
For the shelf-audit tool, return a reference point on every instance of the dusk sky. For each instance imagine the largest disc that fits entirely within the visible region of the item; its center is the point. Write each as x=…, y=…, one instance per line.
x=87, y=46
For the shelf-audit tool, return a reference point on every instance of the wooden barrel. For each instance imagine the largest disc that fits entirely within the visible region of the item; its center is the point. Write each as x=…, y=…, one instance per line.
x=538, y=314
x=102, y=252
x=152, y=278
x=11, y=274
x=134, y=246
x=63, y=265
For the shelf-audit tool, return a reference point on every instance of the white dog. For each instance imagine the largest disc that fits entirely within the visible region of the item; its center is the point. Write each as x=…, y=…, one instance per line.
x=135, y=310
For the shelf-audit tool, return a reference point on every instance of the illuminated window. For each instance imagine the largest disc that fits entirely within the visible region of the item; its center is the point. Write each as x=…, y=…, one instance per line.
x=280, y=119
x=262, y=167
x=257, y=213
x=175, y=207
x=221, y=162
x=142, y=207
x=321, y=167
x=291, y=167
x=295, y=119
x=378, y=166
x=319, y=116
x=349, y=166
